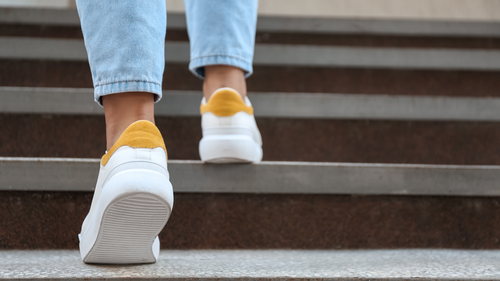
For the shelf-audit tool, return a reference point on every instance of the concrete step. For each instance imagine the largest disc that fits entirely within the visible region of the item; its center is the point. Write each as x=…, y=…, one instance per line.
x=352, y=42
x=283, y=55
x=390, y=65
x=282, y=105
x=285, y=139
x=67, y=174
x=363, y=56
x=201, y=220
x=262, y=265
x=269, y=206
x=74, y=74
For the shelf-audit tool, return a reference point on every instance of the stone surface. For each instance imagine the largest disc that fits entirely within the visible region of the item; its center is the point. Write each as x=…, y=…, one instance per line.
x=52, y=220
x=378, y=40
x=261, y=265
x=314, y=140
x=78, y=101
x=440, y=59
x=37, y=73
x=278, y=177
x=401, y=41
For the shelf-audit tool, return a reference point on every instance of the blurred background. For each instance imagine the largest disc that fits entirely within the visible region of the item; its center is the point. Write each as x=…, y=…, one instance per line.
x=484, y=10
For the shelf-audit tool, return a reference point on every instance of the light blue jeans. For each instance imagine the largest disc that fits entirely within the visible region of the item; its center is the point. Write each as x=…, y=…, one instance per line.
x=125, y=40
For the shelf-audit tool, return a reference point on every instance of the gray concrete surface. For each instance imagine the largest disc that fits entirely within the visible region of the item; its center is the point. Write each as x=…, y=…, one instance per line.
x=340, y=25
x=262, y=265
x=67, y=174
x=371, y=57
x=277, y=54
x=282, y=105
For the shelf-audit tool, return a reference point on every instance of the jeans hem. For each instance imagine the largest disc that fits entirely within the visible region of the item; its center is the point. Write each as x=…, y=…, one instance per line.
x=127, y=86
x=197, y=65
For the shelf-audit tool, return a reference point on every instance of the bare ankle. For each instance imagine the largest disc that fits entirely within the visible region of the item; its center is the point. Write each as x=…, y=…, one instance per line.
x=220, y=76
x=123, y=109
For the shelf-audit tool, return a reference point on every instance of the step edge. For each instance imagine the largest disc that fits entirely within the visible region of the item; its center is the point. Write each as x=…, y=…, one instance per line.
x=61, y=174
x=79, y=101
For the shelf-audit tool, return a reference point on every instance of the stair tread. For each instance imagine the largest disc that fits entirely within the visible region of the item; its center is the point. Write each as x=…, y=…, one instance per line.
x=281, y=54
x=263, y=265
x=282, y=105
x=70, y=174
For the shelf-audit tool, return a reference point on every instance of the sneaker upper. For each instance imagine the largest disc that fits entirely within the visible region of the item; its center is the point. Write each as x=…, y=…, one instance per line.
x=140, y=146
x=225, y=110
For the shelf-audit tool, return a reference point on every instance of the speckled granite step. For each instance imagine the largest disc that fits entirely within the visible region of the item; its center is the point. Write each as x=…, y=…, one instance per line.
x=285, y=139
x=261, y=265
x=75, y=74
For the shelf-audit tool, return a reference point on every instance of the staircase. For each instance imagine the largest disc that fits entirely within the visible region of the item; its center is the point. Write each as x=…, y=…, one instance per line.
x=381, y=154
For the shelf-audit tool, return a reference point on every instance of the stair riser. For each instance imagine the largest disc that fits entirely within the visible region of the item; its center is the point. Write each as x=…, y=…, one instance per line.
x=51, y=220
x=362, y=141
x=75, y=32
x=32, y=73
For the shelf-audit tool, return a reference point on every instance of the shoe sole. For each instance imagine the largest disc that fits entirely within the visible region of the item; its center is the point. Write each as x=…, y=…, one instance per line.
x=223, y=149
x=129, y=225
x=128, y=229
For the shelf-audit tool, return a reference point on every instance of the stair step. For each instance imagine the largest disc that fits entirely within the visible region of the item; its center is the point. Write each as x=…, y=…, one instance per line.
x=200, y=220
x=76, y=74
x=285, y=139
x=288, y=24
x=297, y=37
x=278, y=54
x=441, y=71
x=262, y=265
x=63, y=174
x=281, y=105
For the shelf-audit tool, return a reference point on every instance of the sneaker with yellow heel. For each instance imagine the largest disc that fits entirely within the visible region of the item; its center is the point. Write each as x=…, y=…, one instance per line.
x=132, y=202
x=230, y=133
x=133, y=197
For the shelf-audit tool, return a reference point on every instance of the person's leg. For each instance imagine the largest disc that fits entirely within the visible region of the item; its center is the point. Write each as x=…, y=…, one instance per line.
x=220, y=76
x=222, y=36
x=133, y=197
x=125, y=44
x=121, y=110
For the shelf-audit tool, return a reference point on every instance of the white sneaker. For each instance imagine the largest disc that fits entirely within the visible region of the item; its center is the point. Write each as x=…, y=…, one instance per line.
x=132, y=202
x=230, y=134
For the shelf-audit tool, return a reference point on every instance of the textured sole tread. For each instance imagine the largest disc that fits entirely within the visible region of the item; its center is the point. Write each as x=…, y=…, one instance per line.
x=128, y=228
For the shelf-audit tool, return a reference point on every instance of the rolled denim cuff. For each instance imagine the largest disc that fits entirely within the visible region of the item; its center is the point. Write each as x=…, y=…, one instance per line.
x=197, y=65
x=127, y=86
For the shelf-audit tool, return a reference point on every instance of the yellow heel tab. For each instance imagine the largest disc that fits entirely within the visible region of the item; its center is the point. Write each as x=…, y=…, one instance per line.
x=140, y=134
x=226, y=102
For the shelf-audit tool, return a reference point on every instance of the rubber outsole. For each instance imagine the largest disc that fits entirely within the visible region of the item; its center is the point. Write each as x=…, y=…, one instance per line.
x=128, y=230
x=224, y=149
x=228, y=160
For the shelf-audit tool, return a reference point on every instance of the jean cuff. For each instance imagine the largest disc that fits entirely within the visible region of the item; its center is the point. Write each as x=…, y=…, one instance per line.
x=127, y=86
x=197, y=65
